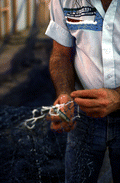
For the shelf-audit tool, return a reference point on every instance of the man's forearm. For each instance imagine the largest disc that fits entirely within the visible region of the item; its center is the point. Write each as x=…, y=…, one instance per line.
x=62, y=73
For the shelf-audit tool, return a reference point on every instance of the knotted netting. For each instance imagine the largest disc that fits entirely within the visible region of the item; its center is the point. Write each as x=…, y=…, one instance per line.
x=31, y=152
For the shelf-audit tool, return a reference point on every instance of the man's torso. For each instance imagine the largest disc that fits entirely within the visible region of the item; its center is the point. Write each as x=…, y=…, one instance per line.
x=95, y=26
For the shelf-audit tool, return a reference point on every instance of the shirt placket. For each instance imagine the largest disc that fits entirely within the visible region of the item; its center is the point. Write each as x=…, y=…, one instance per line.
x=107, y=47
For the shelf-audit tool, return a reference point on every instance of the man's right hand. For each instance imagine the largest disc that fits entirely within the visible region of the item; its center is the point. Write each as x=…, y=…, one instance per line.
x=59, y=124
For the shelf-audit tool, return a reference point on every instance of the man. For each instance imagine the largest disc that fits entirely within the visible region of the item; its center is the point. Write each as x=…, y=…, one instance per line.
x=94, y=27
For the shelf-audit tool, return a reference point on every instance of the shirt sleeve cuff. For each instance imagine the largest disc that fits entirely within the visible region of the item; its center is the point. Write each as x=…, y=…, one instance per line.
x=59, y=34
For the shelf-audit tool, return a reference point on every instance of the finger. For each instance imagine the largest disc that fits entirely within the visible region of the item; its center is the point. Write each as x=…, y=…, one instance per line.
x=85, y=93
x=92, y=112
x=56, y=102
x=87, y=110
x=63, y=126
x=58, y=127
x=98, y=113
x=55, y=130
x=94, y=115
x=53, y=118
x=62, y=117
x=90, y=103
x=55, y=126
x=62, y=99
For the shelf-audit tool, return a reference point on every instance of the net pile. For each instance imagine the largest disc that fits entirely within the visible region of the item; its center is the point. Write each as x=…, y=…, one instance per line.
x=30, y=151
x=32, y=156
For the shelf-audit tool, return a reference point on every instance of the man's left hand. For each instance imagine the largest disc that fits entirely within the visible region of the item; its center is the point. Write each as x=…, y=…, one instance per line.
x=97, y=102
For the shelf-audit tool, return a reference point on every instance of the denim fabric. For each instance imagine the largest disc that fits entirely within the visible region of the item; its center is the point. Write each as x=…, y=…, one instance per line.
x=86, y=146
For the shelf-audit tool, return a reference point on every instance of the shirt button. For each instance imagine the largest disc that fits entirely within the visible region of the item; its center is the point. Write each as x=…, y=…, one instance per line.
x=107, y=51
x=107, y=27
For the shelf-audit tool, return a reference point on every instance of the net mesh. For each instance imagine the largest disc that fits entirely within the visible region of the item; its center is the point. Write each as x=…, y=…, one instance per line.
x=65, y=111
x=31, y=152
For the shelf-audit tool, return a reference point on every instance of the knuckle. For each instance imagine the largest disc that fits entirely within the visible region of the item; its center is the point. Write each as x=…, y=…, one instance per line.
x=76, y=100
x=106, y=103
x=103, y=103
x=102, y=93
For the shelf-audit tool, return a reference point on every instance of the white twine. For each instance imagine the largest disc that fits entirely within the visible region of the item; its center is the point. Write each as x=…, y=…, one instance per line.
x=58, y=107
x=33, y=119
x=51, y=112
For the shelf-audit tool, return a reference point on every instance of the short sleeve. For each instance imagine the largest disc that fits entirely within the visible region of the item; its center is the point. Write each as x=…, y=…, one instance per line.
x=57, y=28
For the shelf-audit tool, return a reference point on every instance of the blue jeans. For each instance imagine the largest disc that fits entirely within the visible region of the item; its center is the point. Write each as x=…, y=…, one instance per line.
x=86, y=146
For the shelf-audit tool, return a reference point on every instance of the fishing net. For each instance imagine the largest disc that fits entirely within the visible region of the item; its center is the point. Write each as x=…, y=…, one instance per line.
x=30, y=151
x=65, y=111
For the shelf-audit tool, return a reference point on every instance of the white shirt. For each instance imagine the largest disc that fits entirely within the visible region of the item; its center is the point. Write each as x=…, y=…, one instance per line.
x=97, y=39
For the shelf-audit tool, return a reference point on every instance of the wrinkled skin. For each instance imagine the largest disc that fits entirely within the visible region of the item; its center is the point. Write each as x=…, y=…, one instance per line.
x=96, y=103
x=58, y=124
